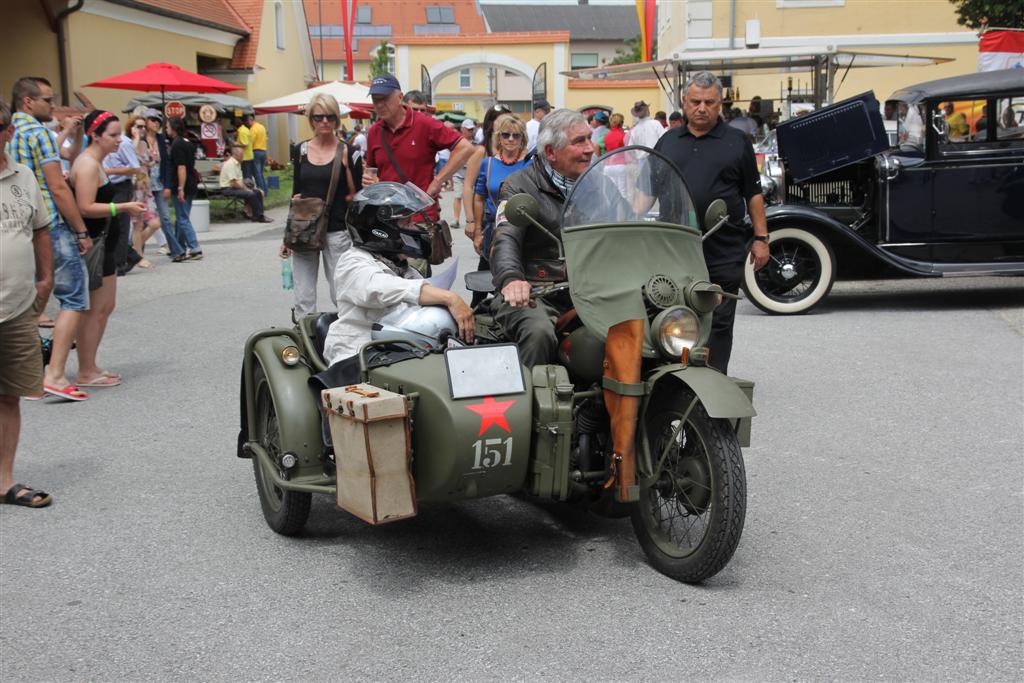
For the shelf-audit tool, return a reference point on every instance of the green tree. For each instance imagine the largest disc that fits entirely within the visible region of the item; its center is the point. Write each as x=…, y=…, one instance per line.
x=631, y=53
x=380, y=62
x=996, y=13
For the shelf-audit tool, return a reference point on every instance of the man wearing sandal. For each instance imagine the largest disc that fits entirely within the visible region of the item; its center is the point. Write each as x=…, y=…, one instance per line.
x=26, y=276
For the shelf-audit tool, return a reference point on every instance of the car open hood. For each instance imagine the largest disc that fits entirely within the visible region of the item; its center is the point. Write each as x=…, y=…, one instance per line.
x=832, y=137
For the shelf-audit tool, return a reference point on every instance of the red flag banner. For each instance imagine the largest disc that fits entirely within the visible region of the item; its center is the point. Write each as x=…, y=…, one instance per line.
x=1001, y=50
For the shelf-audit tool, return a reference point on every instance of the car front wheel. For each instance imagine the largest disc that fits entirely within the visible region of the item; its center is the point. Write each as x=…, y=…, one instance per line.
x=799, y=273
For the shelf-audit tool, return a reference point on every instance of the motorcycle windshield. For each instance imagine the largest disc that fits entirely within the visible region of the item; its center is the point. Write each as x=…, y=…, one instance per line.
x=628, y=218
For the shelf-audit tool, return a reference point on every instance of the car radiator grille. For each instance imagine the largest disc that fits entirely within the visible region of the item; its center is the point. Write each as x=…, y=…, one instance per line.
x=822, y=193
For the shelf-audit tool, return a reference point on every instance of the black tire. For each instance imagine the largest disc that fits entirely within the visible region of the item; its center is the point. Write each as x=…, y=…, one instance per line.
x=798, y=275
x=286, y=512
x=701, y=486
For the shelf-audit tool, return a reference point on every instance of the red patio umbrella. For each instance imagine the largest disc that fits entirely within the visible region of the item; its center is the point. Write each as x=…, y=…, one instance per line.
x=164, y=77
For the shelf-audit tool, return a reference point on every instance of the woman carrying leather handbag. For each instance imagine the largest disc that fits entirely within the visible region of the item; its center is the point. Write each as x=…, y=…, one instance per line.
x=316, y=230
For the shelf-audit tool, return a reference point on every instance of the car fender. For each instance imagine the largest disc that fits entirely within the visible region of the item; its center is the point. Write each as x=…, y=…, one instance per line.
x=837, y=234
x=298, y=414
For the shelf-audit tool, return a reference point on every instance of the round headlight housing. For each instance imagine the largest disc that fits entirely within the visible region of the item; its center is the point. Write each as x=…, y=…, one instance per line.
x=290, y=355
x=675, y=329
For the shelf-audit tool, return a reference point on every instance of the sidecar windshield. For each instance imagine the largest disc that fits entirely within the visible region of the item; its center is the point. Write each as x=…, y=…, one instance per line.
x=629, y=185
x=628, y=218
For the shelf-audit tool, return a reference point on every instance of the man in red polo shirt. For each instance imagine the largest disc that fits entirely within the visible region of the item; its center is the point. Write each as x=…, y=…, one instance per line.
x=414, y=138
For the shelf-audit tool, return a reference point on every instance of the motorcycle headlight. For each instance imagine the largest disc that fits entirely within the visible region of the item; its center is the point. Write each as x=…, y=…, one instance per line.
x=675, y=329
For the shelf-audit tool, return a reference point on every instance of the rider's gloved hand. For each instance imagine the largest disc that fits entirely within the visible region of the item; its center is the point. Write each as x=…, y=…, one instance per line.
x=516, y=293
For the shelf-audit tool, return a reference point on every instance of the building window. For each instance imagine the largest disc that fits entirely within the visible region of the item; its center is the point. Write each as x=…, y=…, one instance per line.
x=440, y=15
x=364, y=15
x=801, y=4
x=583, y=60
x=465, y=79
x=279, y=24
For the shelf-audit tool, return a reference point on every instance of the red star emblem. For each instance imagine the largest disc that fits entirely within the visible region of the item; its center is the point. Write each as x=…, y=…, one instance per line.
x=492, y=412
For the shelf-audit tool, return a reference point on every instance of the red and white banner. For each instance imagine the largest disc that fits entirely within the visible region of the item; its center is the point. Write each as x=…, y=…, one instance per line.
x=1001, y=50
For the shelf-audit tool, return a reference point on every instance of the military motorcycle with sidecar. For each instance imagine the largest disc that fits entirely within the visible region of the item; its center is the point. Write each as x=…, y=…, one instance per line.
x=630, y=421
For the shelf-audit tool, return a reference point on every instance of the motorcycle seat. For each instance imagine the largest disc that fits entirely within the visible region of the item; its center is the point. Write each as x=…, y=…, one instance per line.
x=320, y=328
x=480, y=281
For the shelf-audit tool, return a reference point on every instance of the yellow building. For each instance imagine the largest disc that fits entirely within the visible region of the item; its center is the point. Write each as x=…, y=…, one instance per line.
x=261, y=45
x=891, y=27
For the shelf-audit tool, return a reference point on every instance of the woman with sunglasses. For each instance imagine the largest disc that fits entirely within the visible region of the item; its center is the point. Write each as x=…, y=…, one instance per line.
x=148, y=223
x=94, y=194
x=508, y=142
x=313, y=161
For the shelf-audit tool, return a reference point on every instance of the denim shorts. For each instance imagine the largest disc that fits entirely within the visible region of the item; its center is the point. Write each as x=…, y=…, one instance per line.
x=70, y=282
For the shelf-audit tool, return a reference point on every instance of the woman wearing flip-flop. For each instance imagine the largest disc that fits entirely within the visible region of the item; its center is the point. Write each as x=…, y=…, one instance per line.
x=93, y=194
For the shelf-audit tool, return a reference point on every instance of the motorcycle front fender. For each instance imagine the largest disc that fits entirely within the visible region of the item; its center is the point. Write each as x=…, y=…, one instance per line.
x=722, y=396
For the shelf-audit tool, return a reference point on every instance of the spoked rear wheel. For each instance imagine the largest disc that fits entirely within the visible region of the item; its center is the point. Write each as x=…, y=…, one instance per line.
x=692, y=506
x=286, y=512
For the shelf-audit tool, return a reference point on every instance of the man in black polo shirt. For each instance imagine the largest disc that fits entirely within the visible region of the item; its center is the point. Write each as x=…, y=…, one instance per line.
x=717, y=162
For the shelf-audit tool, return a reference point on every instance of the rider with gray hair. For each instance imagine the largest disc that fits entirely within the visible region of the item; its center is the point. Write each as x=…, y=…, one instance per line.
x=522, y=257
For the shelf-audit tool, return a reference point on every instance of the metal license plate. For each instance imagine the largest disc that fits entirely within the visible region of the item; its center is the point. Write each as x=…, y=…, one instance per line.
x=475, y=371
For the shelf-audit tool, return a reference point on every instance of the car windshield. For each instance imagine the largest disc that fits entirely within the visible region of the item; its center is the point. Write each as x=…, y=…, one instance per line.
x=629, y=185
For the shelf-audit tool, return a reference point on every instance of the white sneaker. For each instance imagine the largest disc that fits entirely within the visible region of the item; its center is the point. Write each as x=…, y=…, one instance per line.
x=165, y=251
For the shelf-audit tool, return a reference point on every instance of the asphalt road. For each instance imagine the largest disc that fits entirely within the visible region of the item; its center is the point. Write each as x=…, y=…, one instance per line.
x=884, y=537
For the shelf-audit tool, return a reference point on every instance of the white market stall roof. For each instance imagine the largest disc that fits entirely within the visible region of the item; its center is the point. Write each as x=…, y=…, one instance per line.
x=825, y=60
x=348, y=95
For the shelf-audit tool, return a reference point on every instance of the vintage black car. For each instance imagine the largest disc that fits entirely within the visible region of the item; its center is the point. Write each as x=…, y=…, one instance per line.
x=947, y=199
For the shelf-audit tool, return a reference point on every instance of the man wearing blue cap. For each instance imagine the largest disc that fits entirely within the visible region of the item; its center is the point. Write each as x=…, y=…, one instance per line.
x=402, y=144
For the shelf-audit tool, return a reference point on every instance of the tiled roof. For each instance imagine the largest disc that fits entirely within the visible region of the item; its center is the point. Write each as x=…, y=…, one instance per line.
x=517, y=38
x=583, y=22
x=251, y=11
x=214, y=13
x=403, y=17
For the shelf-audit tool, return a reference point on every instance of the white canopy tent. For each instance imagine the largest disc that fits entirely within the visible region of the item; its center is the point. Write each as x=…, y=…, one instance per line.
x=350, y=97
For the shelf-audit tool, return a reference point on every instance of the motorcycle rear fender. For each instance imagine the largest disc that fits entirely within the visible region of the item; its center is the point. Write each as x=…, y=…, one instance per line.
x=722, y=396
x=298, y=415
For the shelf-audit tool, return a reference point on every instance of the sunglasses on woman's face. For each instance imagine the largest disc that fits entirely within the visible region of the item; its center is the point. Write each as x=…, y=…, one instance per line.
x=319, y=118
x=511, y=136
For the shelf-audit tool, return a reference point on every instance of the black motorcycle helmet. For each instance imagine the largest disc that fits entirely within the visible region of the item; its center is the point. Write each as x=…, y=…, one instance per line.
x=379, y=219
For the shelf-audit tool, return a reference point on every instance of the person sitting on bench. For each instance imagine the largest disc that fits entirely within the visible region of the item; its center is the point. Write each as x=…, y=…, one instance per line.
x=233, y=185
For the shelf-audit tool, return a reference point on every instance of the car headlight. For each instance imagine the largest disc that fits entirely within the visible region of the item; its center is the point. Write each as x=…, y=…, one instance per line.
x=675, y=329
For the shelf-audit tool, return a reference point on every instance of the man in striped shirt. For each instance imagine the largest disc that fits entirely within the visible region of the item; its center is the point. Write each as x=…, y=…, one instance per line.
x=33, y=146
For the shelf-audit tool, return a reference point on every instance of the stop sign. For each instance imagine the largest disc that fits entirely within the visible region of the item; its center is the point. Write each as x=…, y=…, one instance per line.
x=174, y=110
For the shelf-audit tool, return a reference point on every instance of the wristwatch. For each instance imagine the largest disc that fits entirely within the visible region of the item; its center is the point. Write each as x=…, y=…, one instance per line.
x=761, y=238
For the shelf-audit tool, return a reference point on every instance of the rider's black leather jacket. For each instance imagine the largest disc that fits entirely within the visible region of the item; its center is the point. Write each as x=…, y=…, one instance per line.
x=526, y=253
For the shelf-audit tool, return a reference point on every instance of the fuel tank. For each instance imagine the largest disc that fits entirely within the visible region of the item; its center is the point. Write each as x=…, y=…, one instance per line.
x=464, y=448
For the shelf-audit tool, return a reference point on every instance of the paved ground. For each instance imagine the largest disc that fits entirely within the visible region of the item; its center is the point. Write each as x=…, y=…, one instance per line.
x=884, y=538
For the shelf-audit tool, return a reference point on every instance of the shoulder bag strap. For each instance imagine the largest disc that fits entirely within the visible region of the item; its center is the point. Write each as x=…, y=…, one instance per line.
x=391, y=155
x=487, y=183
x=335, y=168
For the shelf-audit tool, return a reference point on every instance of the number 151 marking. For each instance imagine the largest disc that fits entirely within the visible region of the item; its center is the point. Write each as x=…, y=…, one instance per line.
x=486, y=454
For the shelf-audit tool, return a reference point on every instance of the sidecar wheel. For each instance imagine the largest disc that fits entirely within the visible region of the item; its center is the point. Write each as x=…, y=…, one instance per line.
x=691, y=511
x=286, y=512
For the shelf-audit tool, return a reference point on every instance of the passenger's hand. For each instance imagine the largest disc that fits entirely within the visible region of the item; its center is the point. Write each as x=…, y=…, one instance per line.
x=284, y=252
x=434, y=188
x=759, y=254
x=134, y=208
x=516, y=293
x=84, y=245
x=463, y=315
